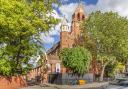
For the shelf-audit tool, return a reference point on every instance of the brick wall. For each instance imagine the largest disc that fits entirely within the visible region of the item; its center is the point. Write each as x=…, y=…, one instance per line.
x=12, y=82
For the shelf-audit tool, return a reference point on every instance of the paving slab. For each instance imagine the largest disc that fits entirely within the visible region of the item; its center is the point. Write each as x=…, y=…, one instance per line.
x=37, y=87
x=95, y=85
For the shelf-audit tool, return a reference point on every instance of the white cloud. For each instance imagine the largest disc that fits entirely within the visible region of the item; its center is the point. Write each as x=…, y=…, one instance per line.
x=120, y=6
x=55, y=30
x=68, y=10
x=47, y=37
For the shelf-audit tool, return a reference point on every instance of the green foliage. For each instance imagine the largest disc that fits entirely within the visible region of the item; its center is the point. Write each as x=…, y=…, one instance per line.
x=105, y=35
x=108, y=32
x=5, y=67
x=77, y=59
x=21, y=23
x=112, y=69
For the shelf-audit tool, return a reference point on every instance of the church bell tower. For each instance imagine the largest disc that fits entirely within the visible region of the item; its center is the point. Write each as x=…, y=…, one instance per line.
x=69, y=38
x=77, y=18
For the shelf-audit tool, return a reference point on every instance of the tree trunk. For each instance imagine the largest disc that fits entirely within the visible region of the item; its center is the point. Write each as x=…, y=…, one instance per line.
x=102, y=73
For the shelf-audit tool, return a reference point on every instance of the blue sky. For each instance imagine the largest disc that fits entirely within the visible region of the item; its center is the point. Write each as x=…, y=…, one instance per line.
x=76, y=1
x=57, y=37
x=68, y=8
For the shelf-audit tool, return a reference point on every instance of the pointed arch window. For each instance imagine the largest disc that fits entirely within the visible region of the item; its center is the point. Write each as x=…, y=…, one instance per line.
x=78, y=16
x=83, y=17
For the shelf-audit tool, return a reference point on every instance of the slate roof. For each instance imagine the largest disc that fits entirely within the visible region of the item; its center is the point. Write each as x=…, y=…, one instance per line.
x=55, y=46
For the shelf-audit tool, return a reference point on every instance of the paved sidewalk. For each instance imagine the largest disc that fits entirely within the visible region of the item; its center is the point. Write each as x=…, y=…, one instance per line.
x=86, y=86
x=95, y=85
x=38, y=87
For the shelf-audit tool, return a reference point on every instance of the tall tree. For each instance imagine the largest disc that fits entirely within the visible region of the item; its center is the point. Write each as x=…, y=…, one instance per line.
x=77, y=59
x=21, y=23
x=107, y=34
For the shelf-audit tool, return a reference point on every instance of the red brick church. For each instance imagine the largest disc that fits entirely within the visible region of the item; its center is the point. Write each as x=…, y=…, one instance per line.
x=68, y=38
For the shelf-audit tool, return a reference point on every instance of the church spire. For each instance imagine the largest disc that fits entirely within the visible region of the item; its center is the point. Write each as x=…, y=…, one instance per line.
x=64, y=21
x=64, y=24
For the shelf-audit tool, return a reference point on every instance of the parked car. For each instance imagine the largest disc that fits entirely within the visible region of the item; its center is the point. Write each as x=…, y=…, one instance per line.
x=119, y=84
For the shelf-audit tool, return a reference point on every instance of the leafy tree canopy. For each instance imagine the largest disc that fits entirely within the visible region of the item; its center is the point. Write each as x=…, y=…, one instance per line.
x=77, y=59
x=21, y=22
x=108, y=34
x=105, y=35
